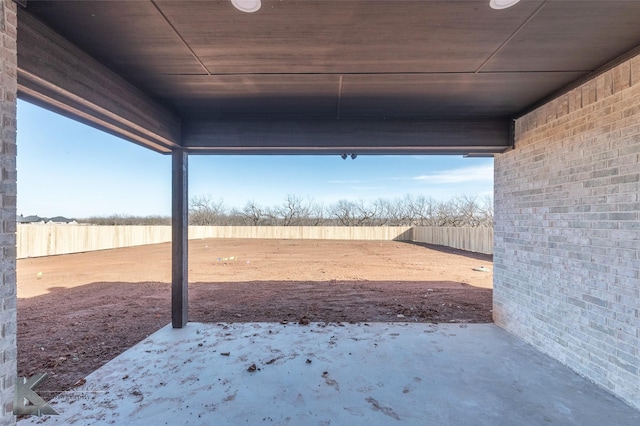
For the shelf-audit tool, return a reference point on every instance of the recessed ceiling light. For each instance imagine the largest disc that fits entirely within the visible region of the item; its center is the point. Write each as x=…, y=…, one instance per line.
x=502, y=4
x=249, y=6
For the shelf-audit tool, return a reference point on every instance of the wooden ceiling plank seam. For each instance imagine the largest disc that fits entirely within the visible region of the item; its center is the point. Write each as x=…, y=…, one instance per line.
x=177, y=33
x=572, y=35
x=511, y=37
x=216, y=97
x=339, y=98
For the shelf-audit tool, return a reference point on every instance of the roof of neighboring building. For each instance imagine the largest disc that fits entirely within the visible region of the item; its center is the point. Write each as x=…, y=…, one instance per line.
x=30, y=219
x=60, y=219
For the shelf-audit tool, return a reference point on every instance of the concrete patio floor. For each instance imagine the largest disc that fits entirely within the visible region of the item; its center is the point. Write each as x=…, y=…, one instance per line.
x=331, y=374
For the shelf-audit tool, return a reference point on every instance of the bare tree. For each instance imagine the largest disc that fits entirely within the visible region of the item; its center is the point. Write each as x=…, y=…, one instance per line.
x=366, y=214
x=204, y=210
x=392, y=212
x=343, y=212
x=254, y=214
x=469, y=210
x=350, y=213
x=487, y=211
x=316, y=214
x=294, y=211
x=121, y=219
x=421, y=210
x=462, y=210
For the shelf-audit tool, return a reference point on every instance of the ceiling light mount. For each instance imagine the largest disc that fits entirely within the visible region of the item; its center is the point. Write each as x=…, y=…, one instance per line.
x=247, y=6
x=502, y=4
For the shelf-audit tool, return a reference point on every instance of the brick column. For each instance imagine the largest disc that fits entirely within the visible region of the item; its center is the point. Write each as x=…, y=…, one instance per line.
x=8, y=88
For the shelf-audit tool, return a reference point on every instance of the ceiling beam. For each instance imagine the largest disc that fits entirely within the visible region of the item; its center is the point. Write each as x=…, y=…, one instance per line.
x=56, y=75
x=393, y=137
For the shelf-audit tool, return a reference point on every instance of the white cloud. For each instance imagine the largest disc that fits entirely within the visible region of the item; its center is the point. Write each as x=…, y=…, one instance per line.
x=461, y=175
x=345, y=181
x=367, y=188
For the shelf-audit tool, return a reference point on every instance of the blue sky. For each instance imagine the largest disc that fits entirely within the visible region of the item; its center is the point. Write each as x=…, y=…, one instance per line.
x=69, y=169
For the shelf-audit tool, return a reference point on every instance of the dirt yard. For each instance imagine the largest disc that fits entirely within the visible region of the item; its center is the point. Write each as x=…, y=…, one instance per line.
x=78, y=311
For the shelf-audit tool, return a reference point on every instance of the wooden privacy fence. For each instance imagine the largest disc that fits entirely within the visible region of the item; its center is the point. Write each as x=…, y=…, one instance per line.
x=48, y=240
x=478, y=240
x=397, y=233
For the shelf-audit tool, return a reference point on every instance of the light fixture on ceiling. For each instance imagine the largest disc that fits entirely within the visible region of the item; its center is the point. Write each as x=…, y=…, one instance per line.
x=247, y=6
x=502, y=4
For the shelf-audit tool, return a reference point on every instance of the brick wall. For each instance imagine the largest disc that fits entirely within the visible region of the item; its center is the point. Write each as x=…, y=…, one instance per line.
x=7, y=210
x=567, y=235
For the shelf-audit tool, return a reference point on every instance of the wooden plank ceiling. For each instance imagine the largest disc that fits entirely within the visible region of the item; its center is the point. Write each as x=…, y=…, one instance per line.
x=317, y=62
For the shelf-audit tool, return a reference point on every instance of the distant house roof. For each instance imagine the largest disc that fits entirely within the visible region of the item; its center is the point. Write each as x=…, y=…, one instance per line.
x=60, y=219
x=30, y=219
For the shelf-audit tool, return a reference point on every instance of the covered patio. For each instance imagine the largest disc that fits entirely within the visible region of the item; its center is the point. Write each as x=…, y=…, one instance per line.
x=337, y=374
x=550, y=88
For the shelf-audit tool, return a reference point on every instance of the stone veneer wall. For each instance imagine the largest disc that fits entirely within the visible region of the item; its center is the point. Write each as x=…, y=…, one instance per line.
x=567, y=235
x=8, y=88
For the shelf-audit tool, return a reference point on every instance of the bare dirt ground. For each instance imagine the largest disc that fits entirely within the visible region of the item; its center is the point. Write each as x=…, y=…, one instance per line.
x=78, y=311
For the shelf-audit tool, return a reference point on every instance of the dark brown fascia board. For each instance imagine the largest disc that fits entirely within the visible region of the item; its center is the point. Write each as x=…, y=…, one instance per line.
x=389, y=137
x=41, y=97
x=487, y=151
x=55, y=74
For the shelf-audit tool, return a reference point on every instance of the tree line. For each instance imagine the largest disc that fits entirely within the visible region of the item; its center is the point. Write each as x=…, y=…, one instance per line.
x=463, y=210
x=410, y=210
x=122, y=219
